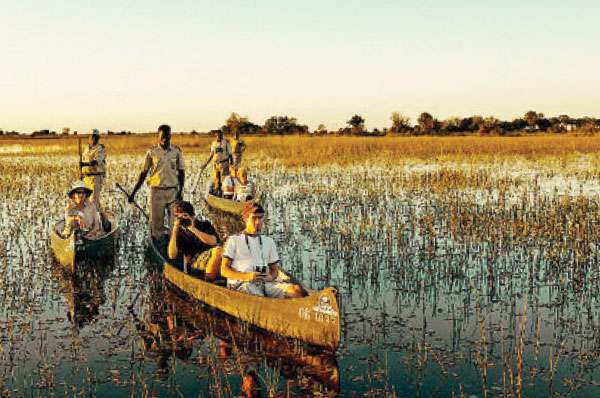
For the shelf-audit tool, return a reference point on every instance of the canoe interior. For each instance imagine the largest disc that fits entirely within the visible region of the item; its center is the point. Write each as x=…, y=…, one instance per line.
x=314, y=319
x=226, y=205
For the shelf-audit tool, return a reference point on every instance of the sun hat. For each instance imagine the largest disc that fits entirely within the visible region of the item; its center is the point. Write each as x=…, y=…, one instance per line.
x=80, y=185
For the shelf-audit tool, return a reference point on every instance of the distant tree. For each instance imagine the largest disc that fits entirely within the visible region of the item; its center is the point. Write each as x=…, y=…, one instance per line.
x=284, y=125
x=426, y=122
x=452, y=125
x=400, y=123
x=489, y=126
x=531, y=118
x=234, y=122
x=357, y=123
x=321, y=129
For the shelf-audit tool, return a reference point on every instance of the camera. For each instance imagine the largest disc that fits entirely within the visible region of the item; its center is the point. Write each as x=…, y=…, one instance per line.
x=185, y=222
x=219, y=150
x=261, y=269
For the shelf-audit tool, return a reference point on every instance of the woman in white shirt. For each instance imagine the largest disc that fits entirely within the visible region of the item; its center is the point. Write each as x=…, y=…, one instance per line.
x=250, y=261
x=245, y=189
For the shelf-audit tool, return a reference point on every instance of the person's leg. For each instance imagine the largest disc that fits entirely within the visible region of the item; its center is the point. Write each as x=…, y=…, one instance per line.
x=157, y=212
x=255, y=289
x=214, y=263
x=283, y=290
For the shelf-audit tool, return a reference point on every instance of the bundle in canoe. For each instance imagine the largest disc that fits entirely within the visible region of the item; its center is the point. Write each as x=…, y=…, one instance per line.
x=227, y=205
x=74, y=249
x=314, y=319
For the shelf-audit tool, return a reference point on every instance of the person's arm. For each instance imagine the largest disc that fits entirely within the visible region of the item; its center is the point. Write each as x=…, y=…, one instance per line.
x=141, y=178
x=138, y=184
x=207, y=238
x=172, y=250
x=230, y=273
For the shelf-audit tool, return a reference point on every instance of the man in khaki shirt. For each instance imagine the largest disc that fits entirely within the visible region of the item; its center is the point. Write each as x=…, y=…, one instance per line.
x=220, y=154
x=93, y=166
x=164, y=165
x=238, y=146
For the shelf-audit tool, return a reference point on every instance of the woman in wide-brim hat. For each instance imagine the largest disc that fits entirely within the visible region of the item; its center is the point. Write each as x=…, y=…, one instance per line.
x=81, y=213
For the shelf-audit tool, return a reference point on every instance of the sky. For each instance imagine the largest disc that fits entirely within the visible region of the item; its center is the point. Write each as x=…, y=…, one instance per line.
x=133, y=65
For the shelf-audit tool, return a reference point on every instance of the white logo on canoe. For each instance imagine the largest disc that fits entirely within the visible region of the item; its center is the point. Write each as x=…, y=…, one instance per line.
x=324, y=306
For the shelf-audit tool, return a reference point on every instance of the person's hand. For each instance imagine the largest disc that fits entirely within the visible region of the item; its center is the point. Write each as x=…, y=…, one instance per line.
x=81, y=164
x=94, y=163
x=258, y=277
x=268, y=277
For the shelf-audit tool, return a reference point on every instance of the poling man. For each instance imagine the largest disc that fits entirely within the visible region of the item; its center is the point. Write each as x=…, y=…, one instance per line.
x=93, y=166
x=238, y=146
x=164, y=165
x=220, y=154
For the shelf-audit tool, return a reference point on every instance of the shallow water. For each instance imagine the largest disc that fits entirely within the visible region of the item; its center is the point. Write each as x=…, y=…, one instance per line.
x=454, y=279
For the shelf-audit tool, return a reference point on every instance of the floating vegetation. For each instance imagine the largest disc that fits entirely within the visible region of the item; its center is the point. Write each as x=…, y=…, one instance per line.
x=457, y=278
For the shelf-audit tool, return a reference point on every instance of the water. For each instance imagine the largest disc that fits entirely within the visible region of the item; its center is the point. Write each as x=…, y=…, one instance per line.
x=454, y=279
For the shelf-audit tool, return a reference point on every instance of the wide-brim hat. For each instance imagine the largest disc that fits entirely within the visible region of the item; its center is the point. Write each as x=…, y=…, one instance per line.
x=80, y=185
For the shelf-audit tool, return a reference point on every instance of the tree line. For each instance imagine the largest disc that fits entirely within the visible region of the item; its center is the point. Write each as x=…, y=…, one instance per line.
x=426, y=124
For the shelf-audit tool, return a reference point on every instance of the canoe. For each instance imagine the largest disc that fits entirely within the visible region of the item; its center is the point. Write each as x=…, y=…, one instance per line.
x=314, y=319
x=74, y=249
x=227, y=205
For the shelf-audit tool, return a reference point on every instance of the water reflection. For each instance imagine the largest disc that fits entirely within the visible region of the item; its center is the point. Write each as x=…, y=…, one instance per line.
x=178, y=329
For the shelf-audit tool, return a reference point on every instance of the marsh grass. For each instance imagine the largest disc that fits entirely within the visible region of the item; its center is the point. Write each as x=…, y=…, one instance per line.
x=466, y=266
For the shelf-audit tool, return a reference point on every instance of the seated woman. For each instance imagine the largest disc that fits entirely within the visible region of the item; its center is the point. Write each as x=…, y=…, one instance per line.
x=230, y=182
x=251, y=263
x=81, y=213
x=245, y=189
x=195, y=240
x=214, y=185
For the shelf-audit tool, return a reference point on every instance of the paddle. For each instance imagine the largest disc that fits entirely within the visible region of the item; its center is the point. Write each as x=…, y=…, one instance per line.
x=80, y=158
x=134, y=202
x=198, y=179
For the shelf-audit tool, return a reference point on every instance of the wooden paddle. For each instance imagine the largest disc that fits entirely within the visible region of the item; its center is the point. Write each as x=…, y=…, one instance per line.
x=134, y=202
x=80, y=158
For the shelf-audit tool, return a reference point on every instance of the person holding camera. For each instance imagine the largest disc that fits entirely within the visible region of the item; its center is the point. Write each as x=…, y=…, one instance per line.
x=250, y=261
x=164, y=166
x=195, y=240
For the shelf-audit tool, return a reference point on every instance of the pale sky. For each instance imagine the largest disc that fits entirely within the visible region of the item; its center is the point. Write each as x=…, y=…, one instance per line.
x=136, y=64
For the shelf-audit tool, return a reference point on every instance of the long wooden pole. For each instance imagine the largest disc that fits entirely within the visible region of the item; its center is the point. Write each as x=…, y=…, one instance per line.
x=80, y=158
x=134, y=202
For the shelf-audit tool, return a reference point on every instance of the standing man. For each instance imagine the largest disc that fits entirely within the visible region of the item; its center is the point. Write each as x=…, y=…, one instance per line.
x=220, y=154
x=238, y=147
x=164, y=164
x=93, y=166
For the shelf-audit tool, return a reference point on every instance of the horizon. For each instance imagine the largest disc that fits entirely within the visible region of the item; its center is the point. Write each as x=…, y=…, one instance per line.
x=134, y=66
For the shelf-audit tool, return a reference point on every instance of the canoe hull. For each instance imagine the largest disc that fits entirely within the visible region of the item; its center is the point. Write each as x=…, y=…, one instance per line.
x=70, y=251
x=314, y=319
x=226, y=205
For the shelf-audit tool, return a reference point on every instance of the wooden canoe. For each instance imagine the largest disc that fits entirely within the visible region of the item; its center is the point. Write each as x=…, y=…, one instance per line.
x=314, y=319
x=72, y=250
x=226, y=205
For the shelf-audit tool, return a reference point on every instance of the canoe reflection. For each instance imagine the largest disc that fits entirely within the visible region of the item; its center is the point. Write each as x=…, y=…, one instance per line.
x=83, y=291
x=177, y=326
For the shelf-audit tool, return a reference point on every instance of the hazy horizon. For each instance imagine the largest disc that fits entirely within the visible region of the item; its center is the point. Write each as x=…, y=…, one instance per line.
x=134, y=66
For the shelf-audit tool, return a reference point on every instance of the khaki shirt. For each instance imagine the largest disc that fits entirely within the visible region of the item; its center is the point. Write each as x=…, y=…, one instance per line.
x=238, y=146
x=220, y=150
x=163, y=166
x=92, y=225
x=97, y=153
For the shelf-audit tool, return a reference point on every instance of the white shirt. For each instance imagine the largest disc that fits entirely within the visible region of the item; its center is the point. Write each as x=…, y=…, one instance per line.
x=229, y=184
x=242, y=192
x=259, y=250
